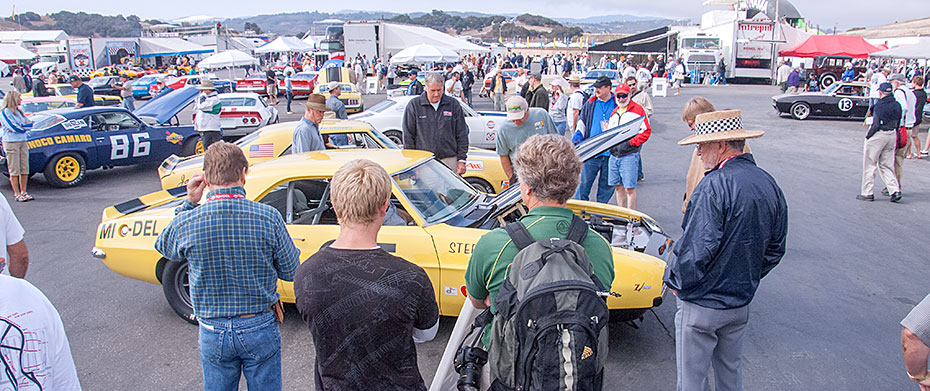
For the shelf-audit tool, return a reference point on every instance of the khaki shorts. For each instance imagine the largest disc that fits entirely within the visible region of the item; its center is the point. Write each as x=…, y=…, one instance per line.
x=17, y=157
x=272, y=89
x=914, y=129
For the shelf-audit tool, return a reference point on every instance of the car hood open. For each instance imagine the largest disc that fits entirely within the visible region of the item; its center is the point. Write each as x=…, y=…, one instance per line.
x=163, y=107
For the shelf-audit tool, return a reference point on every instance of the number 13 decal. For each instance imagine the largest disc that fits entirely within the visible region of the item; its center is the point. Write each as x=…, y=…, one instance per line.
x=119, y=145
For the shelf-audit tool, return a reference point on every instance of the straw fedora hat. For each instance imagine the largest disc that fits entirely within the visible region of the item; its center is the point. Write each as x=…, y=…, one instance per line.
x=317, y=102
x=206, y=85
x=719, y=126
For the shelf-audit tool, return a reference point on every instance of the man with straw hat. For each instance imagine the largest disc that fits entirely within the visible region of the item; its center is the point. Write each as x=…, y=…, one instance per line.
x=307, y=135
x=208, y=108
x=734, y=234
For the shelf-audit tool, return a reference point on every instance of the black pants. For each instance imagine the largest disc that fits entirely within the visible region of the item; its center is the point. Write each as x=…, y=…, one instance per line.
x=210, y=137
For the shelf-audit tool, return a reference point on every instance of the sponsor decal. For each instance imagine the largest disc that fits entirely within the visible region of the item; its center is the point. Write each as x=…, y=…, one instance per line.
x=640, y=287
x=845, y=104
x=74, y=124
x=461, y=247
x=173, y=138
x=474, y=165
x=490, y=136
x=450, y=291
x=64, y=139
x=491, y=124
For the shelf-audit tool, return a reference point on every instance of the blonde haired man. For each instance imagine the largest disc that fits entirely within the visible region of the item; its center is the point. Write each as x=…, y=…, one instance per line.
x=361, y=302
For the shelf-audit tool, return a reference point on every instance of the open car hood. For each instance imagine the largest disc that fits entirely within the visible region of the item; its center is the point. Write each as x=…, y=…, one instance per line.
x=164, y=107
x=586, y=149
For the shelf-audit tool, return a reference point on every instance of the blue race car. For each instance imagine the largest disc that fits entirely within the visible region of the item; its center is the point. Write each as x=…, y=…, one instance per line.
x=64, y=143
x=141, y=86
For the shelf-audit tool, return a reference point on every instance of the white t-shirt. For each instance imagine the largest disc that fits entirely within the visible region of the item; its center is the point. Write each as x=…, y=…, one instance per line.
x=12, y=234
x=34, y=345
x=456, y=86
x=575, y=101
x=877, y=79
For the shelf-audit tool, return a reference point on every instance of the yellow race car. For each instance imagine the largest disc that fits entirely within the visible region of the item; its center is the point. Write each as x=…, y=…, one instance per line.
x=484, y=170
x=438, y=220
x=66, y=90
x=108, y=71
x=351, y=96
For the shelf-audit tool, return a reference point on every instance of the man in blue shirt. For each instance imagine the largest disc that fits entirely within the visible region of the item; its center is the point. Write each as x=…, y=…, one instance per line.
x=592, y=120
x=236, y=249
x=415, y=88
x=85, y=94
x=307, y=135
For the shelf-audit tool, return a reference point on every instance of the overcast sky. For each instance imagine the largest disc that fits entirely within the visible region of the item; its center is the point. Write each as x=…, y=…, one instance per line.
x=844, y=13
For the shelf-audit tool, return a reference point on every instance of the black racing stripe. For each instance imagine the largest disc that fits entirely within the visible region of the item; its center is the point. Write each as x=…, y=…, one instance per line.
x=177, y=191
x=130, y=206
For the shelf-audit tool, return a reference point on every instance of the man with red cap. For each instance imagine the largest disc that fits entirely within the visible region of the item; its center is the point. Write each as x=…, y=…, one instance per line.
x=624, y=158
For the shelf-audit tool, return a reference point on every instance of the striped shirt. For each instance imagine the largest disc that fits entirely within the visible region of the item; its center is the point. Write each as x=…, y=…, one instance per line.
x=236, y=249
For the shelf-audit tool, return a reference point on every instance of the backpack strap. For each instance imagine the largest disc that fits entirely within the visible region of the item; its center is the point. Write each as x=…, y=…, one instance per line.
x=520, y=236
x=578, y=230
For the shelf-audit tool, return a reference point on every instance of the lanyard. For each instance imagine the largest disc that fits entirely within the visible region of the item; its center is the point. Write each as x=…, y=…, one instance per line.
x=225, y=197
x=605, y=108
x=726, y=160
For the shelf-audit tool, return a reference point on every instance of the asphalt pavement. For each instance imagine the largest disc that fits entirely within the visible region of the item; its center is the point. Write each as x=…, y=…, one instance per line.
x=826, y=318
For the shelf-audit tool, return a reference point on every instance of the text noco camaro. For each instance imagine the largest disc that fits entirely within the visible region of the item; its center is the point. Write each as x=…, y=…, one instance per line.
x=440, y=218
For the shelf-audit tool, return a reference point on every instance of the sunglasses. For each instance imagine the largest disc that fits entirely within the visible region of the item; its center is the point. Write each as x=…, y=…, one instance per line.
x=622, y=96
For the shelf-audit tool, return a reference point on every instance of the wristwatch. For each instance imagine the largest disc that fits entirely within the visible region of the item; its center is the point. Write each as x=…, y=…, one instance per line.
x=920, y=378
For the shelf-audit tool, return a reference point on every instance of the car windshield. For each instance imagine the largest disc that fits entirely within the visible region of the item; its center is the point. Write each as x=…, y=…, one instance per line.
x=34, y=107
x=65, y=90
x=832, y=88
x=41, y=121
x=594, y=74
x=98, y=82
x=511, y=74
x=388, y=144
x=145, y=79
x=346, y=87
x=257, y=76
x=304, y=76
x=435, y=191
x=381, y=106
x=237, y=101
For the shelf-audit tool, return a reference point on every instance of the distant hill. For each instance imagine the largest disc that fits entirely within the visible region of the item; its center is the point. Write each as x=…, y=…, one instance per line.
x=608, y=19
x=82, y=24
x=490, y=27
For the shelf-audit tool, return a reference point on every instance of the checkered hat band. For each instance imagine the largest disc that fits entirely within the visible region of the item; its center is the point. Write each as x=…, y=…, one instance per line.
x=719, y=125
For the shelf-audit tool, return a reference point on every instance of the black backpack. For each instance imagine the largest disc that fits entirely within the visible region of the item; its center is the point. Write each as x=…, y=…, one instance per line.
x=550, y=325
x=584, y=94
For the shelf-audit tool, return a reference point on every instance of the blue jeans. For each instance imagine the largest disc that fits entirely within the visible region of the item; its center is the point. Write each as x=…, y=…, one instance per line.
x=595, y=168
x=290, y=97
x=129, y=103
x=722, y=78
x=468, y=94
x=560, y=126
x=230, y=346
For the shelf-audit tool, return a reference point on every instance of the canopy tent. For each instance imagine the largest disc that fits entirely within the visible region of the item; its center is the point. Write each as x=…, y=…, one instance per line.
x=398, y=37
x=423, y=53
x=654, y=41
x=309, y=41
x=920, y=50
x=33, y=36
x=284, y=44
x=228, y=59
x=155, y=47
x=792, y=36
x=9, y=51
x=838, y=45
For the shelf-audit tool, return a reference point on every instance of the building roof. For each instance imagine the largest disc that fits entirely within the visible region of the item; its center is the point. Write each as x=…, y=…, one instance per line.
x=33, y=36
x=652, y=41
x=909, y=28
x=10, y=51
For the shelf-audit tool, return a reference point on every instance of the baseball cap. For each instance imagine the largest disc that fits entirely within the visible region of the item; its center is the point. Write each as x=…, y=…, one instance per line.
x=412, y=72
x=602, y=81
x=332, y=85
x=622, y=88
x=74, y=78
x=897, y=77
x=885, y=87
x=516, y=107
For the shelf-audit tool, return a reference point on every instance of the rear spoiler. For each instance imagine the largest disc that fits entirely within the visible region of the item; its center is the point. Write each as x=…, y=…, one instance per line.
x=143, y=202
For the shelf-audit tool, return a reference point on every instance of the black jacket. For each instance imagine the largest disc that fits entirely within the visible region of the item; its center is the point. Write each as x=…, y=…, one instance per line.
x=417, y=88
x=886, y=115
x=538, y=97
x=494, y=84
x=442, y=132
x=735, y=228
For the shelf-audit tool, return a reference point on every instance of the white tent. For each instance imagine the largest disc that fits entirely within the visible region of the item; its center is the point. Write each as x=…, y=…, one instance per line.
x=284, y=44
x=9, y=51
x=920, y=50
x=153, y=47
x=309, y=41
x=398, y=37
x=228, y=59
x=423, y=53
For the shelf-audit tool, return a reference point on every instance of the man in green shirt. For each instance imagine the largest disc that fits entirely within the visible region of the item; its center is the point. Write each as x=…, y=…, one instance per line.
x=549, y=169
x=522, y=122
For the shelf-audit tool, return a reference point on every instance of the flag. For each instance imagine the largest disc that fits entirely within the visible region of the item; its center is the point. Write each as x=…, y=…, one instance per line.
x=527, y=41
x=13, y=17
x=500, y=39
x=261, y=150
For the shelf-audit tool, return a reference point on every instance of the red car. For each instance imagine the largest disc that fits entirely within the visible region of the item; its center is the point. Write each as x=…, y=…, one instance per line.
x=303, y=83
x=255, y=82
x=508, y=73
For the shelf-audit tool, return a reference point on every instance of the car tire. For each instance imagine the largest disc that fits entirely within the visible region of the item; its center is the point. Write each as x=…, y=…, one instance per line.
x=480, y=184
x=800, y=110
x=65, y=169
x=396, y=136
x=827, y=80
x=192, y=146
x=176, y=285
x=626, y=315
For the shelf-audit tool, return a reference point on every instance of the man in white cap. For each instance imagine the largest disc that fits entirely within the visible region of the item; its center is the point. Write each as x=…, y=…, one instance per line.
x=908, y=101
x=333, y=102
x=208, y=109
x=735, y=229
x=522, y=122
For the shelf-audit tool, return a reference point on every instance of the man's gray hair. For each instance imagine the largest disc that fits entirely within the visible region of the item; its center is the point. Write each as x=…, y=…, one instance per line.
x=736, y=144
x=549, y=166
x=434, y=77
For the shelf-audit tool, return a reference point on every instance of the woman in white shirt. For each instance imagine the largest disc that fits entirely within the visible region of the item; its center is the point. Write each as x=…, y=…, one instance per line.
x=558, y=105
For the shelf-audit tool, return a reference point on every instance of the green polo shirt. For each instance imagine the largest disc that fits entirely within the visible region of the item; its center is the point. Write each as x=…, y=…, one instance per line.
x=494, y=252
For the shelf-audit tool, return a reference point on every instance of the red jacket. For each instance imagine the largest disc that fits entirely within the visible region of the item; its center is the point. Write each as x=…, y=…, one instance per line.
x=637, y=141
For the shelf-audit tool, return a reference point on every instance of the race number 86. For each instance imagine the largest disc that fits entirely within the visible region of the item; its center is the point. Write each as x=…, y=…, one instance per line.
x=119, y=145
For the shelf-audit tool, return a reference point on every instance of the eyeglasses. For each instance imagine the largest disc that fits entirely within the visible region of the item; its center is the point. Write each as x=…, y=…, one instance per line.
x=622, y=96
